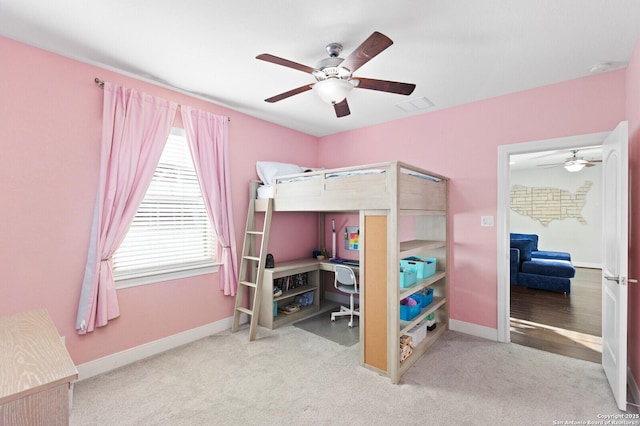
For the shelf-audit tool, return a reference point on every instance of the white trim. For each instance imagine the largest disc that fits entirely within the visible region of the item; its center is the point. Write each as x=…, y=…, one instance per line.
x=135, y=281
x=113, y=361
x=504, y=205
x=633, y=387
x=503, y=254
x=473, y=329
x=587, y=265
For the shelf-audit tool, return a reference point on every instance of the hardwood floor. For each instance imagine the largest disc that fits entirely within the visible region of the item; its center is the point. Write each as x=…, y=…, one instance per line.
x=566, y=324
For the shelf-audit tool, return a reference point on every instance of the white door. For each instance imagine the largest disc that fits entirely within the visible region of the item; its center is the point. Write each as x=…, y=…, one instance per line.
x=615, y=172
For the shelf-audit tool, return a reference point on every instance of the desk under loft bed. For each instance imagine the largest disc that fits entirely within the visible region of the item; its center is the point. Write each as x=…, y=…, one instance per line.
x=380, y=193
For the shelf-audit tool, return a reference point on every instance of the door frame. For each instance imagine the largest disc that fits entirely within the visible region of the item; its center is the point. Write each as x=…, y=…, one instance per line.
x=504, y=207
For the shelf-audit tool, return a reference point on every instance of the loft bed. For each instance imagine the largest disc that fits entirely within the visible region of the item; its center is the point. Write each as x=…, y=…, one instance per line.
x=382, y=186
x=380, y=193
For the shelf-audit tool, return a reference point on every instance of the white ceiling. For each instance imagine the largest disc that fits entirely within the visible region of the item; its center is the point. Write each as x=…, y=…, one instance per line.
x=455, y=51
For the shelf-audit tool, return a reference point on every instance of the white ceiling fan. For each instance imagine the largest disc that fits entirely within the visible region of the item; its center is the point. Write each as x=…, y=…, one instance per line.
x=573, y=163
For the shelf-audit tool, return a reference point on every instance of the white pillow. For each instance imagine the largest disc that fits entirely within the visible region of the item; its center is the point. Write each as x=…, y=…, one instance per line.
x=267, y=170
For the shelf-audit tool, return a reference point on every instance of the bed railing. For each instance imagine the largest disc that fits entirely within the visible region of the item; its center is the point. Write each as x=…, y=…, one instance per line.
x=370, y=186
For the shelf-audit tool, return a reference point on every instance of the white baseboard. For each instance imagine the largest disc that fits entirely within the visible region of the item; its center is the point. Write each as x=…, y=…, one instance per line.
x=116, y=360
x=589, y=265
x=473, y=329
x=633, y=387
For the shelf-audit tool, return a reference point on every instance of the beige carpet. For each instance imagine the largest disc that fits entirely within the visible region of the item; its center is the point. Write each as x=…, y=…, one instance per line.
x=293, y=377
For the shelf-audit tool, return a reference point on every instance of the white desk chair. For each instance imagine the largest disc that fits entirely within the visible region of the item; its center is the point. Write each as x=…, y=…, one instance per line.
x=345, y=281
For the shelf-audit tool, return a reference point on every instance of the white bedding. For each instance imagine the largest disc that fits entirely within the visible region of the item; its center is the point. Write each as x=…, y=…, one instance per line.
x=265, y=192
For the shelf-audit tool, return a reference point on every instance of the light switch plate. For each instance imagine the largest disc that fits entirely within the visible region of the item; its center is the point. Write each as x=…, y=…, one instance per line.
x=486, y=221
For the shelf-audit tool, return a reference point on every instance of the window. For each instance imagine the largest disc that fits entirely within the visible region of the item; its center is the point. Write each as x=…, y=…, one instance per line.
x=171, y=235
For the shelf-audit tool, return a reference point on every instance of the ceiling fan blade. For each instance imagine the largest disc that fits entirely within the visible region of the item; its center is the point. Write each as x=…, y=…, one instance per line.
x=371, y=47
x=384, y=85
x=284, y=62
x=291, y=92
x=550, y=165
x=342, y=108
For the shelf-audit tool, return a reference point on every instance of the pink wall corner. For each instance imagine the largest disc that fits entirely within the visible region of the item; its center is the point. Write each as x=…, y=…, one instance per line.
x=51, y=126
x=461, y=143
x=633, y=116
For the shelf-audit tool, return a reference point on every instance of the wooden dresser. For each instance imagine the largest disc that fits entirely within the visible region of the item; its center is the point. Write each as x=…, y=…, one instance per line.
x=35, y=371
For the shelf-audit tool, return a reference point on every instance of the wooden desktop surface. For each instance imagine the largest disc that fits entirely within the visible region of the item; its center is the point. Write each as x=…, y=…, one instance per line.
x=327, y=265
x=35, y=371
x=32, y=355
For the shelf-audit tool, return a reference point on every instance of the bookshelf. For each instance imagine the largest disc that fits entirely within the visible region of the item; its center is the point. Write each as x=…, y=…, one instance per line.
x=294, y=278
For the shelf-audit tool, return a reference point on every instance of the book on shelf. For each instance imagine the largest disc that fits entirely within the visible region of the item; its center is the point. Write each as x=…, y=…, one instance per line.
x=292, y=282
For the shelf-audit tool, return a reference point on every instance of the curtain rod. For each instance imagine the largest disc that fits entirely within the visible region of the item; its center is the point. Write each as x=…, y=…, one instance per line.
x=100, y=84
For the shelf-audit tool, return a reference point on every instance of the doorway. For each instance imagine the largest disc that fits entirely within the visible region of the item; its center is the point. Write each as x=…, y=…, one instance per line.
x=504, y=206
x=568, y=220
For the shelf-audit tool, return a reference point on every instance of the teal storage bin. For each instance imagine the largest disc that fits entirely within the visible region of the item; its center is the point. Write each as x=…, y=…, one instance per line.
x=423, y=266
x=407, y=277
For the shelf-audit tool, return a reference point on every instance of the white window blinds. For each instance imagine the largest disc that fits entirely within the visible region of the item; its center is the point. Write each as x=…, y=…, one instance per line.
x=171, y=230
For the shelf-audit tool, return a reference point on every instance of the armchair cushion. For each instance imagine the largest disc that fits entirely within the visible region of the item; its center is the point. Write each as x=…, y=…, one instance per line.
x=557, y=255
x=525, y=247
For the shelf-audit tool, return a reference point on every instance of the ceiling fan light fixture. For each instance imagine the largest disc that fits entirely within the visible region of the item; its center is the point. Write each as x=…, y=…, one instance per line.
x=332, y=90
x=574, y=166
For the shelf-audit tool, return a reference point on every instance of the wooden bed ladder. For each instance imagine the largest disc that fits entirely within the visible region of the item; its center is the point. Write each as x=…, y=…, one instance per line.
x=253, y=254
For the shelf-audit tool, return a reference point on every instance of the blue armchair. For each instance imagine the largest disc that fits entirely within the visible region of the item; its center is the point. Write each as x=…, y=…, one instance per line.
x=544, y=270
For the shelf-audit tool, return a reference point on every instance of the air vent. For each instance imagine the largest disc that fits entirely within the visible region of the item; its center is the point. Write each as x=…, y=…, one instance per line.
x=415, y=105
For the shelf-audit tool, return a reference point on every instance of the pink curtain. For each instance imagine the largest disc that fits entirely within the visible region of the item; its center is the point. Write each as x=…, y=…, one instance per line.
x=134, y=131
x=208, y=139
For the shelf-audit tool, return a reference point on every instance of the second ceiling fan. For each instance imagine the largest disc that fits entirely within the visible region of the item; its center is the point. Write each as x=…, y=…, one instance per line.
x=334, y=75
x=573, y=163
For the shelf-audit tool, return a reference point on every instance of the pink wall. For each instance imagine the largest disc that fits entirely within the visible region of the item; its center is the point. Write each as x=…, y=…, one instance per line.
x=633, y=115
x=461, y=143
x=50, y=121
x=50, y=130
